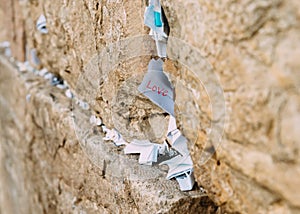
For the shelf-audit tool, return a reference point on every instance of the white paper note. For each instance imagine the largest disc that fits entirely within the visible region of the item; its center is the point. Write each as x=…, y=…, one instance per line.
x=178, y=165
x=113, y=135
x=186, y=181
x=41, y=24
x=148, y=151
x=157, y=87
x=95, y=120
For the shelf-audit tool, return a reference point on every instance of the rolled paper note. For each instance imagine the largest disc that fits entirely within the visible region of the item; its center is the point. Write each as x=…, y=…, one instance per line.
x=157, y=19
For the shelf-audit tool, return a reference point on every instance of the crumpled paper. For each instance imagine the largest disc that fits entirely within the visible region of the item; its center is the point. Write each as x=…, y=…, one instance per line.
x=181, y=168
x=148, y=151
x=113, y=135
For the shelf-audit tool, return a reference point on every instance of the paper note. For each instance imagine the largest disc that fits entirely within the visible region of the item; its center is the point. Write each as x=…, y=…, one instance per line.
x=172, y=124
x=95, y=120
x=157, y=87
x=34, y=58
x=113, y=135
x=178, y=142
x=69, y=94
x=148, y=151
x=165, y=153
x=160, y=41
x=153, y=19
x=186, y=180
x=178, y=165
x=149, y=16
x=181, y=168
x=41, y=24
x=43, y=72
x=56, y=80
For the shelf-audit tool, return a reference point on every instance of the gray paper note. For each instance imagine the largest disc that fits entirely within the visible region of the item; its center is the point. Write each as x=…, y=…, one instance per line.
x=157, y=87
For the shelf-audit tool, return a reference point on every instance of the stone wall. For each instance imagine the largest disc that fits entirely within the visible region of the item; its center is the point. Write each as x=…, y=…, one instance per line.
x=235, y=71
x=46, y=169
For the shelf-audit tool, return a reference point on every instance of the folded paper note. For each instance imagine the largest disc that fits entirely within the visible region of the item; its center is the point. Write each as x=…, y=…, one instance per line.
x=34, y=58
x=41, y=24
x=22, y=66
x=43, y=72
x=69, y=94
x=28, y=96
x=113, y=135
x=160, y=42
x=186, y=180
x=82, y=104
x=149, y=16
x=172, y=124
x=6, y=46
x=152, y=15
x=176, y=139
x=95, y=120
x=178, y=142
x=148, y=151
x=165, y=153
x=157, y=87
x=55, y=80
x=153, y=19
x=181, y=168
x=178, y=165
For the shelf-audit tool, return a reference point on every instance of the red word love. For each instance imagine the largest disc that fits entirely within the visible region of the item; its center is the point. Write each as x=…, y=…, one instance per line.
x=157, y=89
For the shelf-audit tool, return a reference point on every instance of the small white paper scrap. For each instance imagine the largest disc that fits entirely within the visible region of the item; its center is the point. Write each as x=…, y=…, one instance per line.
x=48, y=76
x=43, y=72
x=95, y=120
x=69, y=94
x=172, y=124
x=28, y=96
x=161, y=47
x=41, y=24
x=22, y=66
x=84, y=105
x=186, y=181
x=34, y=58
x=56, y=80
x=114, y=136
x=161, y=42
x=176, y=139
x=157, y=87
x=178, y=165
x=149, y=16
x=153, y=19
x=61, y=86
x=178, y=142
x=148, y=151
x=6, y=46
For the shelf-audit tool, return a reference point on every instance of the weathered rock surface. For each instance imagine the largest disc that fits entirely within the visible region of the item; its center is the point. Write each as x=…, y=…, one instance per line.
x=236, y=74
x=53, y=161
x=251, y=46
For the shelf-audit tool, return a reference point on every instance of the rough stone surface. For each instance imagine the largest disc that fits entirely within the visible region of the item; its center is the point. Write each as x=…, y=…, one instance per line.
x=236, y=75
x=12, y=21
x=50, y=165
x=251, y=46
